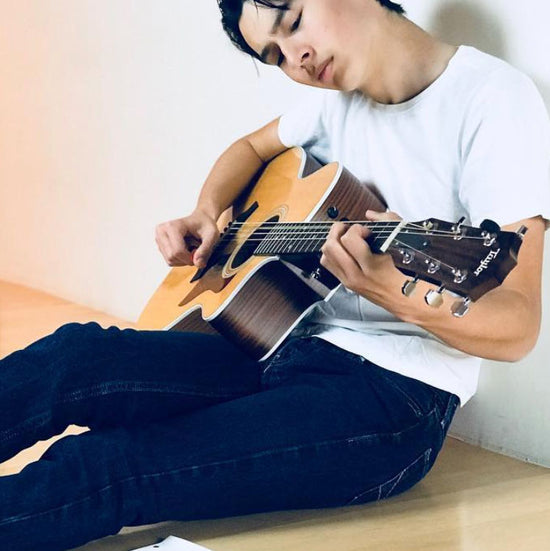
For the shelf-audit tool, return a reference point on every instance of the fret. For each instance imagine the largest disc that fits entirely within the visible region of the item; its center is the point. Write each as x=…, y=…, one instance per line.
x=293, y=239
x=321, y=235
x=299, y=231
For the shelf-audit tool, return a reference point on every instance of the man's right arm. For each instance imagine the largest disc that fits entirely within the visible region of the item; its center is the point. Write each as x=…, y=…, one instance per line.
x=229, y=176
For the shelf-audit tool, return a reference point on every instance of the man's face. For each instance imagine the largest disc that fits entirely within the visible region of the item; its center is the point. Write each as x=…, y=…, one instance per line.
x=323, y=43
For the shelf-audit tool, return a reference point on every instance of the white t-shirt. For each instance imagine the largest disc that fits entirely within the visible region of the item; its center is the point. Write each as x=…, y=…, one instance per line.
x=475, y=143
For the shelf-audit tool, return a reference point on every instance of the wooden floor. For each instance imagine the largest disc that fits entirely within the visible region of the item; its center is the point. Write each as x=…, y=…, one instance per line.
x=472, y=500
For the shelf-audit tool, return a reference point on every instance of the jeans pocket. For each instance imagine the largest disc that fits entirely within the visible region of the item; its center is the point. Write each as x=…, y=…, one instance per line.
x=398, y=483
x=418, y=395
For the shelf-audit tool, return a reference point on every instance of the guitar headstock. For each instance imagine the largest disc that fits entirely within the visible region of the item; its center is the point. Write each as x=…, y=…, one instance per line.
x=465, y=260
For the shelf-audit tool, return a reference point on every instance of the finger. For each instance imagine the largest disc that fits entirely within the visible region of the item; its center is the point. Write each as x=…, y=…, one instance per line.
x=354, y=242
x=336, y=258
x=209, y=236
x=332, y=243
x=161, y=239
x=376, y=216
x=167, y=251
x=337, y=230
x=179, y=253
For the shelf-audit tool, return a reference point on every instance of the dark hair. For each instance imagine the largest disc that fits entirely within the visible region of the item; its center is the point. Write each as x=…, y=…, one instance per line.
x=232, y=10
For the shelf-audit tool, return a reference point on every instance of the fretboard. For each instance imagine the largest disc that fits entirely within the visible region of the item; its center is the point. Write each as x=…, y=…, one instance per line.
x=308, y=237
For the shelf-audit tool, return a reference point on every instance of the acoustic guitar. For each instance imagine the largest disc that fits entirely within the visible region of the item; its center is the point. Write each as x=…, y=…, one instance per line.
x=264, y=275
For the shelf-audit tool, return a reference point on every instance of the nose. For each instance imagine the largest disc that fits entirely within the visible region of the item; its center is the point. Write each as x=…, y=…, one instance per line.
x=298, y=55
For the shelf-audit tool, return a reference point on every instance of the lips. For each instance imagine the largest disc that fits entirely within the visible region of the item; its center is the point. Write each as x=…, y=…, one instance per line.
x=322, y=70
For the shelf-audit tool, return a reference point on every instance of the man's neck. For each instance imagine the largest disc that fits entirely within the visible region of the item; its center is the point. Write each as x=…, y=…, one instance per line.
x=414, y=60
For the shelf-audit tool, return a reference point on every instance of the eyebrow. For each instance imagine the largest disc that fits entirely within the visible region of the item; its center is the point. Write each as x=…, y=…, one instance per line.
x=276, y=25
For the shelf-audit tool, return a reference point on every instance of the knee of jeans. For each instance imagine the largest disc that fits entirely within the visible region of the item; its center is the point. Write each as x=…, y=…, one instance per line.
x=73, y=333
x=75, y=328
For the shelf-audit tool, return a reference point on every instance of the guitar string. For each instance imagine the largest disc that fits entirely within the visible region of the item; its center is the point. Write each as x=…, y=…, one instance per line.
x=264, y=229
x=305, y=234
x=322, y=231
x=330, y=223
x=319, y=228
x=321, y=234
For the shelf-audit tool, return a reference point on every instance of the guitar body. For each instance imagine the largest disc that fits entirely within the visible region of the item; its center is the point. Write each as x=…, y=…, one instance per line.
x=255, y=301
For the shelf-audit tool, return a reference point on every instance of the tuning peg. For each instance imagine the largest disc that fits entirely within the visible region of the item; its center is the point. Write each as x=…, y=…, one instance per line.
x=434, y=298
x=456, y=227
x=409, y=286
x=521, y=231
x=458, y=230
x=461, y=307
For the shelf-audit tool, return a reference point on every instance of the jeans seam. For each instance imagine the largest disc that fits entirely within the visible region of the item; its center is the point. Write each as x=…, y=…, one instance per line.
x=96, y=390
x=396, y=478
x=121, y=386
x=364, y=437
x=16, y=431
x=270, y=362
x=450, y=404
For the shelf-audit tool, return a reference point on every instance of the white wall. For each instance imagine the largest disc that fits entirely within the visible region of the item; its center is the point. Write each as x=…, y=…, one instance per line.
x=511, y=412
x=111, y=114
x=113, y=111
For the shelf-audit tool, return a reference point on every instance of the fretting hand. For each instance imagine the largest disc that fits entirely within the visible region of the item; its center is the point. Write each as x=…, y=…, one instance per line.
x=347, y=255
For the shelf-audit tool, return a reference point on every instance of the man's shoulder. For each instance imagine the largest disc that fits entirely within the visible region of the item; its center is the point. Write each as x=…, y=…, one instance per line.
x=486, y=75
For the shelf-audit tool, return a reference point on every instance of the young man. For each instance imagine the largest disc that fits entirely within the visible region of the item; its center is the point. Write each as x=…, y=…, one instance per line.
x=356, y=405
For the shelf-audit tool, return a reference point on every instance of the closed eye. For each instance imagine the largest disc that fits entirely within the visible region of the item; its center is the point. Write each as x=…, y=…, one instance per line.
x=296, y=23
x=293, y=29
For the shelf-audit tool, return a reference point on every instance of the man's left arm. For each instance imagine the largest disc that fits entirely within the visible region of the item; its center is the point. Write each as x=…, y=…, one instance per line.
x=501, y=325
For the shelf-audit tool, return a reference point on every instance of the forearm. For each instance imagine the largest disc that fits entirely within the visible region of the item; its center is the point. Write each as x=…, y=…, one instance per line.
x=228, y=177
x=502, y=325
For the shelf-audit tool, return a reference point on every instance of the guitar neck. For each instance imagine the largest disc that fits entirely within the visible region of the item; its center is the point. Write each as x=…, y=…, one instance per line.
x=308, y=237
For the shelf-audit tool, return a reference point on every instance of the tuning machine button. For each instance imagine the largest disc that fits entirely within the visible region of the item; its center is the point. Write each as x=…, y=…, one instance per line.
x=461, y=307
x=434, y=298
x=409, y=286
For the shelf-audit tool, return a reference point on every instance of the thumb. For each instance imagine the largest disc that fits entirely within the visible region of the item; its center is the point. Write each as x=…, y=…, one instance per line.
x=202, y=253
x=376, y=216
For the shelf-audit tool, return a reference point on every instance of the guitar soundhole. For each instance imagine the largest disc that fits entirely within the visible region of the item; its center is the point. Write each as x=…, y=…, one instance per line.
x=251, y=243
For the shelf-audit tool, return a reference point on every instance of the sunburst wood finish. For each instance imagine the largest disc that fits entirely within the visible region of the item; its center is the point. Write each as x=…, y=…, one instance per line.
x=257, y=303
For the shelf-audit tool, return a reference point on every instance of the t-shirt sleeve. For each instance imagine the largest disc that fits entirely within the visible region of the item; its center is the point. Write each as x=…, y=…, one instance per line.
x=305, y=125
x=505, y=151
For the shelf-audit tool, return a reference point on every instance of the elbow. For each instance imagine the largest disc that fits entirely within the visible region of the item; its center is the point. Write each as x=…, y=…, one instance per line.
x=519, y=352
x=512, y=356
x=523, y=332
x=517, y=348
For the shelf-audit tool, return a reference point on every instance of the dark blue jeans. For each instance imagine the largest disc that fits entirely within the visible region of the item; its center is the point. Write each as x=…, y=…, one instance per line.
x=184, y=426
